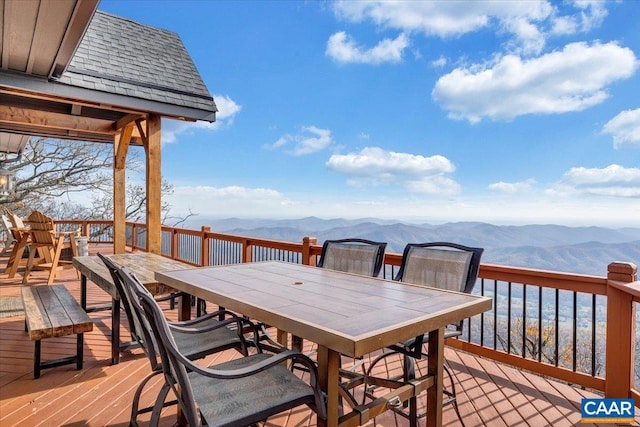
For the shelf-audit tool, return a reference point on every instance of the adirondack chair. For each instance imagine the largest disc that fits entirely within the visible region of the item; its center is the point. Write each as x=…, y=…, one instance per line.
x=49, y=243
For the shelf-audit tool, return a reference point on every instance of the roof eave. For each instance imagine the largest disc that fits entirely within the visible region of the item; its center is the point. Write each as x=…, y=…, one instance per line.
x=58, y=90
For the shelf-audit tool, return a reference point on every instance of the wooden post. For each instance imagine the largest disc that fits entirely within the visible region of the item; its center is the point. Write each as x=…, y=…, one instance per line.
x=154, y=184
x=246, y=251
x=120, y=147
x=621, y=320
x=174, y=243
x=204, y=249
x=307, y=242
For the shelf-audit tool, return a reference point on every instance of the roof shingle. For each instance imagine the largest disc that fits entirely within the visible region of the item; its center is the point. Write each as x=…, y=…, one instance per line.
x=123, y=57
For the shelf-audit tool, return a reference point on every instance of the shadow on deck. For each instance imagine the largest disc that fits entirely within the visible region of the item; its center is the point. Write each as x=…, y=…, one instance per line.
x=489, y=394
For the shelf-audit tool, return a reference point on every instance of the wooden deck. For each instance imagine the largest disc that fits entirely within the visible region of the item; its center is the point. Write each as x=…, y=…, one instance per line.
x=489, y=394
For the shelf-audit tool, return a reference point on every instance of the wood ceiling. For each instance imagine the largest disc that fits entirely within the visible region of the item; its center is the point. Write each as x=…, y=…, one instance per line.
x=38, y=38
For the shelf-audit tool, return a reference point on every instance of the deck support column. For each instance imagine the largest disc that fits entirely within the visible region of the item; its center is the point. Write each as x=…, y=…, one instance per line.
x=152, y=150
x=120, y=148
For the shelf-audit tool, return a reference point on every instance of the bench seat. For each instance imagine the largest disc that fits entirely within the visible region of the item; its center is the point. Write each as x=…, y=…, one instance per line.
x=51, y=311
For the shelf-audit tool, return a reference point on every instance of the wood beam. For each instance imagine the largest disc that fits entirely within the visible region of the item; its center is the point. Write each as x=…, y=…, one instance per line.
x=141, y=132
x=154, y=183
x=125, y=120
x=14, y=115
x=122, y=147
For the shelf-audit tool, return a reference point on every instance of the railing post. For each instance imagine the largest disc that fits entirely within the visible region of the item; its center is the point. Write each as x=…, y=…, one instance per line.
x=174, y=243
x=307, y=242
x=621, y=320
x=204, y=242
x=246, y=251
x=134, y=236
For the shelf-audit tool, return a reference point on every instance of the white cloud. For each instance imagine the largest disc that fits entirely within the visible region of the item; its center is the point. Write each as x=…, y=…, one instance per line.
x=236, y=200
x=613, y=181
x=375, y=166
x=572, y=79
x=343, y=49
x=311, y=140
x=625, y=128
x=512, y=187
x=440, y=62
x=528, y=22
x=227, y=110
x=590, y=15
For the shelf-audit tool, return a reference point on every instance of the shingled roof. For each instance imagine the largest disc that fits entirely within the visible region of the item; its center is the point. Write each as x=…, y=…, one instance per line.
x=123, y=57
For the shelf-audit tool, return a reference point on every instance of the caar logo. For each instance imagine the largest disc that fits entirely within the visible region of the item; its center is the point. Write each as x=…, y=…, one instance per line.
x=608, y=410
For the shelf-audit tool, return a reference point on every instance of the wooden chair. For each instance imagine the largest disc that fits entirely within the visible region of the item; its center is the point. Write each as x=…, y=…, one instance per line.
x=49, y=243
x=16, y=221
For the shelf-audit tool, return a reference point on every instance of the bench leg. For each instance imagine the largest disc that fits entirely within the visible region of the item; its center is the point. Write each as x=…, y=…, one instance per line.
x=80, y=350
x=115, y=331
x=38, y=364
x=36, y=360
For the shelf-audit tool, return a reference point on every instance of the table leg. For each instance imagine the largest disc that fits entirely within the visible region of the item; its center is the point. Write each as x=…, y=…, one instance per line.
x=329, y=378
x=184, y=305
x=434, y=393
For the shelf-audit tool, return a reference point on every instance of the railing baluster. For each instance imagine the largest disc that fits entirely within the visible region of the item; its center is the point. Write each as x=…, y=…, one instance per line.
x=557, y=331
x=575, y=334
x=524, y=320
x=540, y=326
x=509, y=305
x=593, y=334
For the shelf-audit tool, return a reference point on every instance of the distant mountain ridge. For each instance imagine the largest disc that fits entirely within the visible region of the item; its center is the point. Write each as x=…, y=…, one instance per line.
x=583, y=250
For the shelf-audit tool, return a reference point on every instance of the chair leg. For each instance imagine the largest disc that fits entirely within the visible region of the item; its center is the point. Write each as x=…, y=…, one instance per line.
x=27, y=271
x=452, y=394
x=55, y=260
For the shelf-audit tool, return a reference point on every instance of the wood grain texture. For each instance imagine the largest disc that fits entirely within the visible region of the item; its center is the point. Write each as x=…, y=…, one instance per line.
x=51, y=311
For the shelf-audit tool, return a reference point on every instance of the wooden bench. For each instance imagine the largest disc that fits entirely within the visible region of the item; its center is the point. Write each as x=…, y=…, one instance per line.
x=51, y=311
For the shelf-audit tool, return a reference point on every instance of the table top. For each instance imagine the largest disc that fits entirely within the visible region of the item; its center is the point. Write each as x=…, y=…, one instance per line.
x=142, y=264
x=352, y=314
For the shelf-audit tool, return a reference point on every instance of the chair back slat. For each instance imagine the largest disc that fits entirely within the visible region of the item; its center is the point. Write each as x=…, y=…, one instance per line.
x=42, y=228
x=358, y=256
x=16, y=221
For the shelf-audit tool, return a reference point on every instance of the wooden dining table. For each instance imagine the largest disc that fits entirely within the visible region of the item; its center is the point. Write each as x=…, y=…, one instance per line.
x=343, y=314
x=144, y=265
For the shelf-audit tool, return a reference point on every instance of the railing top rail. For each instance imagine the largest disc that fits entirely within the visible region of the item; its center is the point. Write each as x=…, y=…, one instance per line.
x=550, y=279
x=632, y=288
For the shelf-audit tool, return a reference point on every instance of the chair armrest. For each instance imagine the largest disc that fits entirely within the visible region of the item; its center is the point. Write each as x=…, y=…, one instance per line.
x=203, y=318
x=208, y=328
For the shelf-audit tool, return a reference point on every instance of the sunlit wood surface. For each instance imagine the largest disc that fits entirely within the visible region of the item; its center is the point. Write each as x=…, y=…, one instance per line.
x=489, y=394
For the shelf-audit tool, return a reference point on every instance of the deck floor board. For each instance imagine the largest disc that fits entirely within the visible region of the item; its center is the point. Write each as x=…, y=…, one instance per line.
x=489, y=394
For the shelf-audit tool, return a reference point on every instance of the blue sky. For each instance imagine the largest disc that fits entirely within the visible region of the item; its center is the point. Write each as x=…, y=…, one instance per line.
x=500, y=111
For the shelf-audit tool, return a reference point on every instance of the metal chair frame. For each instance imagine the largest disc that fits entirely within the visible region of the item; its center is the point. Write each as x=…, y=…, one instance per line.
x=412, y=349
x=181, y=374
x=211, y=333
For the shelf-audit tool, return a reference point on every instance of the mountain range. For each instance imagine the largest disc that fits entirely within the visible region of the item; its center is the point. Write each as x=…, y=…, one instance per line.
x=582, y=250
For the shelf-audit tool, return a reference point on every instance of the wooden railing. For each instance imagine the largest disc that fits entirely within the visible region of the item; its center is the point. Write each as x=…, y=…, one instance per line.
x=588, y=317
